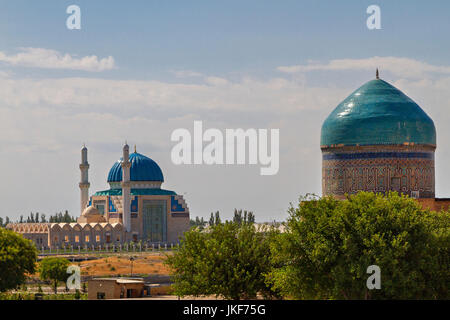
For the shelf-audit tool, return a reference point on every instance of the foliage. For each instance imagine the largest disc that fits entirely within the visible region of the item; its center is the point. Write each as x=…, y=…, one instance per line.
x=329, y=244
x=60, y=218
x=198, y=222
x=229, y=261
x=245, y=217
x=41, y=218
x=17, y=258
x=55, y=270
x=215, y=219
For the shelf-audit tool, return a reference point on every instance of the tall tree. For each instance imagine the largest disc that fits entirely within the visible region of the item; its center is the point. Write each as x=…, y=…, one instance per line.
x=237, y=217
x=17, y=258
x=217, y=218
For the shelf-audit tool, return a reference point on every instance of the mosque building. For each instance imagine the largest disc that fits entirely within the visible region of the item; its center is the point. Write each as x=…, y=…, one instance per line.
x=380, y=140
x=134, y=208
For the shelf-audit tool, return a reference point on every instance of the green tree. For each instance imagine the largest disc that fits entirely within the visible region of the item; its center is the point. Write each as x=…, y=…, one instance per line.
x=197, y=223
x=17, y=258
x=237, y=217
x=243, y=217
x=54, y=270
x=228, y=260
x=251, y=217
x=328, y=245
x=217, y=218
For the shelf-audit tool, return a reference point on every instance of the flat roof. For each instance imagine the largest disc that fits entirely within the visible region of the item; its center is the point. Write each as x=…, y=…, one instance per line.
x=121, y=280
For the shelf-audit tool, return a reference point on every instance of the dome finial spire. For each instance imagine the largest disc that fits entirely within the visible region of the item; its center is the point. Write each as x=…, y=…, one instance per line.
x=135, y=149
x=377, y=74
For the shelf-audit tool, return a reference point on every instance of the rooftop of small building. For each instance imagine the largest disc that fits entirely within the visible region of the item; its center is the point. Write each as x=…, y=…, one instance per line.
x=121, y=280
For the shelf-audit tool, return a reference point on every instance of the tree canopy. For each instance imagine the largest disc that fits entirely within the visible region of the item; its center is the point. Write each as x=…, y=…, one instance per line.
x=229, y=260
x=329, y=244
x=17, y=258
x=54, y=270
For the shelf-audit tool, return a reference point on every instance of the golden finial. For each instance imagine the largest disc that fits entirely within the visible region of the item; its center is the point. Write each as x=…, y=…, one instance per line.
x=135, y=149
x=377, y=74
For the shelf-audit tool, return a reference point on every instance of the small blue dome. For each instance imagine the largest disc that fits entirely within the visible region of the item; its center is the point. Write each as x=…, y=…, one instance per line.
x=142, y=169
x=377, y=113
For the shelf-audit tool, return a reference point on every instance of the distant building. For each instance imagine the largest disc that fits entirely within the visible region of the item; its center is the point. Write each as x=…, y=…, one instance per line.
x=380, y=140
x=134, y=208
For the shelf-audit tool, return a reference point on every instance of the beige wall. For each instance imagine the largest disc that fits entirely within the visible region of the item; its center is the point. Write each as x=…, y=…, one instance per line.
x=112, y=289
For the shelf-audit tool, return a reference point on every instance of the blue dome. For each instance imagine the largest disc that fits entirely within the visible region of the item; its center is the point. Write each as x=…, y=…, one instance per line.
x=142, y=169
x=377, y=113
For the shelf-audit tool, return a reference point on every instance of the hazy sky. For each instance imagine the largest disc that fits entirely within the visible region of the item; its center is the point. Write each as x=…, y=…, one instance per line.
x=138, y=70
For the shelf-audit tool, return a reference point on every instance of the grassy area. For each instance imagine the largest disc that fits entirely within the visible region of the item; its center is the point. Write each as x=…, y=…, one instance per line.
x=119, y=264
x=32, y=296
x=143, y=264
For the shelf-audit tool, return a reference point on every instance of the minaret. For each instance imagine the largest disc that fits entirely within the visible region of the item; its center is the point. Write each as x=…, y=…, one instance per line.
x=126, y=164
x=84, y=183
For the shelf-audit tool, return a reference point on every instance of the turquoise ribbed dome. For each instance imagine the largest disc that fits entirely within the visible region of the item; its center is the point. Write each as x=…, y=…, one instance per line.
x=377, y=113
x=142, y=169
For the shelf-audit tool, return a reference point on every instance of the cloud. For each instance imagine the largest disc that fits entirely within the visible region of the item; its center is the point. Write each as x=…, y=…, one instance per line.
x=52, y=59
x=187, y=74
x=157, y=98
x=399, y=66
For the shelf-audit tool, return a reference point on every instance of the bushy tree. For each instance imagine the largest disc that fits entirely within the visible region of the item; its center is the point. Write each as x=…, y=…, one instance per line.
x=54, y=270
x=17, y=258
x=228, y=260
x=329, y=244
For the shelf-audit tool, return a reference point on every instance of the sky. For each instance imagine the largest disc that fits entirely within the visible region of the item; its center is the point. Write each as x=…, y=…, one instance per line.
x=136, y=71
